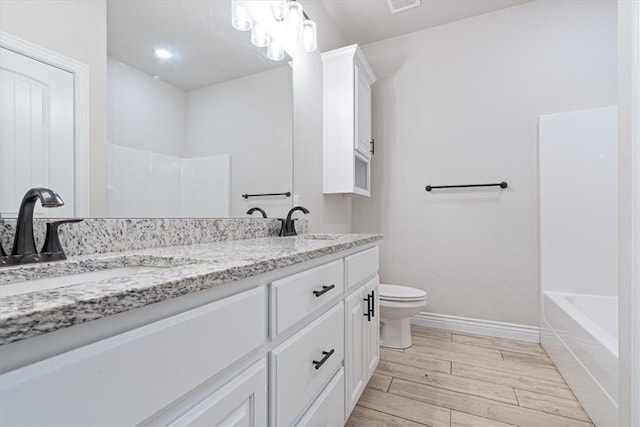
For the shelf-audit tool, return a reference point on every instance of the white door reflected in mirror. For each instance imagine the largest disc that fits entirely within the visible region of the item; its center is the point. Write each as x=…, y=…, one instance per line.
x=36, y=133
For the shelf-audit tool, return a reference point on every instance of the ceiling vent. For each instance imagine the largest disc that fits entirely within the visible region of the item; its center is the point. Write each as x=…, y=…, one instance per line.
x=396, y=6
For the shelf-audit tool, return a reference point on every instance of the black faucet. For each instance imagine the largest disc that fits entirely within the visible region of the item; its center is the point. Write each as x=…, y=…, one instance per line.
x=52, y=249
x=288, y=225
x=24, y=242
x=24, y=246
x=252, y=210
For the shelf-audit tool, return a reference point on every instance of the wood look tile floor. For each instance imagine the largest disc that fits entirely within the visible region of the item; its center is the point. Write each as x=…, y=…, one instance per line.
x=455, y=380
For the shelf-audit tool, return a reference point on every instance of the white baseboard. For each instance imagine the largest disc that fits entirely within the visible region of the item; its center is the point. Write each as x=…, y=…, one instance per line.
x=487, y=328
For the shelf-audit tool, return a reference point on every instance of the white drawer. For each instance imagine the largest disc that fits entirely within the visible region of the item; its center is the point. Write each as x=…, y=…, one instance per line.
x=295, y=377
x=241, y=402
x=126, y=378
x=297, y=296
x=361, y=266
x=328, y=409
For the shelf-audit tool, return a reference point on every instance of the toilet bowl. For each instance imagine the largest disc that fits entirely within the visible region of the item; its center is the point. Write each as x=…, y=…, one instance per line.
x=397, y=304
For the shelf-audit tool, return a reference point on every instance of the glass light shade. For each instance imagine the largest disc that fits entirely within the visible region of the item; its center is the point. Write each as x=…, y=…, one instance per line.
x=239, y=17
x=294, y=19
x=259, y=36
x=309, y=36
x=279, y=9
x=275, y=51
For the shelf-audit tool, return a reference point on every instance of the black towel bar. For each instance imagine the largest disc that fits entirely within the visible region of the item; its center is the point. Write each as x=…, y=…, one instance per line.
x=502, y=184
x=246, y=196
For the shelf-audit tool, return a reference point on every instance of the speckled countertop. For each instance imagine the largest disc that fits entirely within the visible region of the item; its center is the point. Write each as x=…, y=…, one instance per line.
x=185, y=269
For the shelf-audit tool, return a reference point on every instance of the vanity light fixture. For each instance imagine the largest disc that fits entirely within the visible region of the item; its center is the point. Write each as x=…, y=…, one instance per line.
x=240, y=19
x=163, y=53
x=279, y=9
x=275, y=51
x=288, y=25
x=259, y=36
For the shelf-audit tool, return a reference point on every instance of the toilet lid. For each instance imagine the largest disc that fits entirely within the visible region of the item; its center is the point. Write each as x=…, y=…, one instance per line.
x=401, y=293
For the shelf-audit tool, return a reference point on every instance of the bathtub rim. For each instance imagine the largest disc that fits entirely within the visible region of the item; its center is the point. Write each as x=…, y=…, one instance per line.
x=592, y=328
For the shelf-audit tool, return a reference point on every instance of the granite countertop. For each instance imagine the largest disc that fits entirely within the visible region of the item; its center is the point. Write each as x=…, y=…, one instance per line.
x=184, y=269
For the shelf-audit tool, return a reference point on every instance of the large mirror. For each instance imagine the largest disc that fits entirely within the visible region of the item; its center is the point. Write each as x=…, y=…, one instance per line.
x=197, y=117
x=189, y=135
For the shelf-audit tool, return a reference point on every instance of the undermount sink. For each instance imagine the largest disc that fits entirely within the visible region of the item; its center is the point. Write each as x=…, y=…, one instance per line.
x=320, y=236
x=23, y=287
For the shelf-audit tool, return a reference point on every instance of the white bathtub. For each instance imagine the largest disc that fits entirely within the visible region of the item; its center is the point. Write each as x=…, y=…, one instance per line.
x=580, y=333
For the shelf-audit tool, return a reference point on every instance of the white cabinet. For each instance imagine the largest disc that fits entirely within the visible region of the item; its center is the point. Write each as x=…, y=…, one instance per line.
x=363, y=339
x=303, y=364
x=372, y=329
x=347, y=141
x=124, y=379
x=295, y=297
x=328, y=408
x=241, y=402
x=362, y=323
x=355, y=307
x=214, y=364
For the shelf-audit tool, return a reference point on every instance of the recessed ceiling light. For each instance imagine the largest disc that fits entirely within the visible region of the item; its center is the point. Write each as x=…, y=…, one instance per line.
x=396, y=6
x=163, y=53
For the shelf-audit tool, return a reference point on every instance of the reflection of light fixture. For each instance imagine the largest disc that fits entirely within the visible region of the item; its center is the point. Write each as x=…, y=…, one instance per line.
x=308, y=36
x=276, y=24
x=259, y=36
x=295, y=15
x=275, y=51
x=239, y=17
x=279, y=9
x=163, y=53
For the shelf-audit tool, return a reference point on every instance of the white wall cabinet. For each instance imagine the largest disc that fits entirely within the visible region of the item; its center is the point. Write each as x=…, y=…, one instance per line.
x=216, y=364
x=347, y=141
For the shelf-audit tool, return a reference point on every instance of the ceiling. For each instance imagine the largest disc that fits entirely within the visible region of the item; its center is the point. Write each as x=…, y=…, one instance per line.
x=366, y=21
x=208, y=50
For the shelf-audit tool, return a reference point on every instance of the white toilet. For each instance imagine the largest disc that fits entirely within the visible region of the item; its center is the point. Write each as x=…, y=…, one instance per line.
x=397, y=304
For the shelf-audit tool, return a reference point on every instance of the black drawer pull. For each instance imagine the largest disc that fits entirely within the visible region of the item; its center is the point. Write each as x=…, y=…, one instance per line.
x=327, y=355
x=373, y=303
x=368, y=313
x=324, y=290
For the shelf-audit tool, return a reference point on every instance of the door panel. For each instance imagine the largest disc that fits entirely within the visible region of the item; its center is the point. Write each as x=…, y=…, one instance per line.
x=363, y=115
x=36, y=133
x=242, y=402
x=373, y=329
x=355, y=348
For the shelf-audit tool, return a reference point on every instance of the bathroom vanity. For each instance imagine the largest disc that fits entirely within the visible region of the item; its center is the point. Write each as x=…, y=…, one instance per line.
x=268, y=331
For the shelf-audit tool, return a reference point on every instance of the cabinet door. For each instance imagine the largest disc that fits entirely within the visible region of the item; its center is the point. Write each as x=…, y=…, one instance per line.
x=328, y=409
x=241, y=402
x=372, y=329
x=363, y=114
x=355, y=308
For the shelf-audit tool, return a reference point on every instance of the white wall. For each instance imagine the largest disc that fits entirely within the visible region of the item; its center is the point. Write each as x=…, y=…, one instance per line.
x=249, y=118
x=329, y=213
x=459, y=103
x=146, y=184
x=143, y=112
x=60, y=26
x=578, y=168
x=629, y=211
